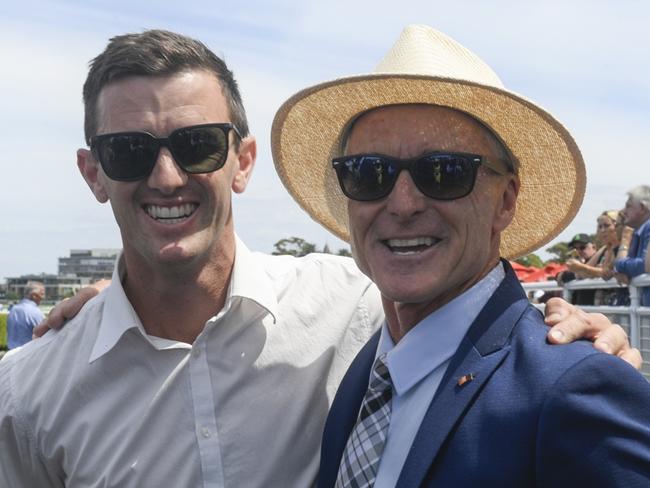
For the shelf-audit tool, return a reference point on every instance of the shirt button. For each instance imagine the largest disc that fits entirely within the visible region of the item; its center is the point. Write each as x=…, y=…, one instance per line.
x=205, y=432
x=196, y=352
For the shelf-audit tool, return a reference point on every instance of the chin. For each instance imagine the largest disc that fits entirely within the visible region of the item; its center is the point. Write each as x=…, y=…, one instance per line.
x=175, y=253
x=408, y=293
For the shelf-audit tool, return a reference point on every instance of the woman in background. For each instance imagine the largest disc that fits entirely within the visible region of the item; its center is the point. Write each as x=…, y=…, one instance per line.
x=615, y=238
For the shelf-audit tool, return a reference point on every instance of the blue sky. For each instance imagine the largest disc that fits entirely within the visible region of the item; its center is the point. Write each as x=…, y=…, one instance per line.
x=584, y=61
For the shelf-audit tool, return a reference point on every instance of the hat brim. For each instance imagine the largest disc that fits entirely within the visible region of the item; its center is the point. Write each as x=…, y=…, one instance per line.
x=308, y=127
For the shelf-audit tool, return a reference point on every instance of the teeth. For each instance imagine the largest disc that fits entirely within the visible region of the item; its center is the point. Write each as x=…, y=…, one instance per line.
x=171, y=215
x=417, y=241
x=410, y=246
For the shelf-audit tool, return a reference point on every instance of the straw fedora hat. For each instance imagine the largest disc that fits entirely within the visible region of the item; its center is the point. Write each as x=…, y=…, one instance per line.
x=427, y=67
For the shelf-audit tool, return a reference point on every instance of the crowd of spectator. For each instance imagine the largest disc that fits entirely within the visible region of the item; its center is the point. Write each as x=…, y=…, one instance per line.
x=619, y=251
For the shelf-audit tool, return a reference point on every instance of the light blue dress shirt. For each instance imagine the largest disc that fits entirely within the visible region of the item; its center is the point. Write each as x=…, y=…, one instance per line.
x=21, y=321
x=417, y=364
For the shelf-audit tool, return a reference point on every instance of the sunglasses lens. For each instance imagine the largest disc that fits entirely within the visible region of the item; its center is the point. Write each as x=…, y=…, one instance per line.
x=366, y=178
x=200, y=149
x=126, y=157
x=438, y=176
x=444, y=176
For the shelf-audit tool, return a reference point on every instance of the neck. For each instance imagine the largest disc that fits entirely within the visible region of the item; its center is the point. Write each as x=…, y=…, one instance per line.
x=401, y=317
x=644, y=220
x=176, y=303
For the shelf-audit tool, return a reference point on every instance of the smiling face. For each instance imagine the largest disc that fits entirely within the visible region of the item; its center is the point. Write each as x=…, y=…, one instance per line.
x=419, y=251
x=171, y=217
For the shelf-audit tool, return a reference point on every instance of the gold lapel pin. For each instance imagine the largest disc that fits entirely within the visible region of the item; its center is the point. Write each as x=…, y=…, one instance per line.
x=463, y=380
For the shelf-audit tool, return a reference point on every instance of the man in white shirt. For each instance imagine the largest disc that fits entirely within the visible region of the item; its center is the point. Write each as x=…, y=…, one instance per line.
x=203, y=364
x=433, y=171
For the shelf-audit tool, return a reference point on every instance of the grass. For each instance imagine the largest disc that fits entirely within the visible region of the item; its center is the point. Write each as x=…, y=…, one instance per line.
x=3, y=331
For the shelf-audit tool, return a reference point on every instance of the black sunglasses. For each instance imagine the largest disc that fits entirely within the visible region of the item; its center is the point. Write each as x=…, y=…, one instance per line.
x=438, y=175
x=130, y=156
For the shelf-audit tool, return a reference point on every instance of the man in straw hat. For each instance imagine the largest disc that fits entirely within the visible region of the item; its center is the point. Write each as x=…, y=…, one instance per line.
x=434, y=172
x=202, y=364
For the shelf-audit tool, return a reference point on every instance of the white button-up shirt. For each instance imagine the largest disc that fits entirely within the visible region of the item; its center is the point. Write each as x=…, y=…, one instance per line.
x=100, y=403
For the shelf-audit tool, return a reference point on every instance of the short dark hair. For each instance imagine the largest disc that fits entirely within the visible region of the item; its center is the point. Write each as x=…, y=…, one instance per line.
x=157, y=53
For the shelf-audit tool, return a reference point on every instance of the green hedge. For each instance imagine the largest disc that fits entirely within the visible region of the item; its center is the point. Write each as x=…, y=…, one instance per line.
x=3, y=331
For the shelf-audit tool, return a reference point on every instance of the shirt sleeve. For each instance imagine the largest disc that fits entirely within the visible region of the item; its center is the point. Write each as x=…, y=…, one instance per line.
x=21, y=465
x=595, y=427
x=35, y=316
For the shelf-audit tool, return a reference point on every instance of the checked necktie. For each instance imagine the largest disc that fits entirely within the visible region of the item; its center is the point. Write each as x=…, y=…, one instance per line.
x=363, y=451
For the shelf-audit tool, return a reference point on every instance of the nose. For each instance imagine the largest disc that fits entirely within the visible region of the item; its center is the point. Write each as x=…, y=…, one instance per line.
x=405, y=201
x=167, y=176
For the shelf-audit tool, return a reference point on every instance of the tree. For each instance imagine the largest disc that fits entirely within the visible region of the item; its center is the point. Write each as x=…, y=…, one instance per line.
x=561, y=251
x=297, y=246
x=294, y=246
x=530, y=260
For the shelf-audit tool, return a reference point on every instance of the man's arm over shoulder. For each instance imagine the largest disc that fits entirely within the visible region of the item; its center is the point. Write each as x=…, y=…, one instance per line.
x=70, y=307
x=21, y=464
x=594, y=429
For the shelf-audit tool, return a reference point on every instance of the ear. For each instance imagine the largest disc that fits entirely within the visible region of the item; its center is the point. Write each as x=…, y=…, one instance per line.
x=91, y=172
x=245, y=164
x=507, y=206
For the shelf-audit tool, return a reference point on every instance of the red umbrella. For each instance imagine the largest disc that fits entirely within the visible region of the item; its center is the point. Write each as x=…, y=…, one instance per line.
x=529, y=274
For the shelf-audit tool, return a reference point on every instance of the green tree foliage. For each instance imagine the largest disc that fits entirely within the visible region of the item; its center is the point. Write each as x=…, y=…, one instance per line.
x=560, y=250
x=296, y=246
x=531, y=260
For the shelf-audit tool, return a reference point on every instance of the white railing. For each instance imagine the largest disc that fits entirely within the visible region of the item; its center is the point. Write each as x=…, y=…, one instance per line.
x=635, y=319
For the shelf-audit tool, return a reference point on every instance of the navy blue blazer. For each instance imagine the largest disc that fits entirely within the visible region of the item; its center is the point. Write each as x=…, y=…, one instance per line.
x=534, y=414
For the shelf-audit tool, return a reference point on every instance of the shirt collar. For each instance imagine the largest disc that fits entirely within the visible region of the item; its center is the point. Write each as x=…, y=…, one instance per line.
x=249, y=282
x=641, y=229
x=118, y=315
x=434, y=340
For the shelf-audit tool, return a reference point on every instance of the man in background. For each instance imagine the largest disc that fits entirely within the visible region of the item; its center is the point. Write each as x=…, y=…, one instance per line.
x=25, y=315
x=582, y=249
x=583, y=246
x=637, y=216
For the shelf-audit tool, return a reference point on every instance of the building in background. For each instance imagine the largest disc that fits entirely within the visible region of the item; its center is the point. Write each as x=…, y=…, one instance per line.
x=95, y=264
x=82, y=267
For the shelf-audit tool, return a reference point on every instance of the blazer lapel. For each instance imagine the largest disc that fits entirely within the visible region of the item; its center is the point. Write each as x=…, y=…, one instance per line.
x=480, y=353
x=344, y=412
